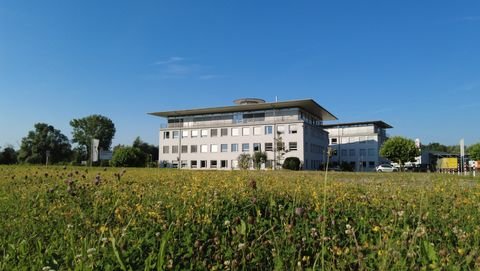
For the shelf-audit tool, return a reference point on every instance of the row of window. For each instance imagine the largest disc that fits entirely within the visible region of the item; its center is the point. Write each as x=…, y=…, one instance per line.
x=235, y=147
x=210, y=164
x=353, y=152
x=244, y=131
x=352, y=139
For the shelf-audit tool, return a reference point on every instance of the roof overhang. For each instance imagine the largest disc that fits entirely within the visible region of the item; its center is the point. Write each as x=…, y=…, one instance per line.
x=308, y=105
x=378, y=123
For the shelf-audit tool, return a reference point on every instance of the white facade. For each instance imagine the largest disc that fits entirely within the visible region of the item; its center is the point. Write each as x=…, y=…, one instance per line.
x=213, y=138
x=358, y=144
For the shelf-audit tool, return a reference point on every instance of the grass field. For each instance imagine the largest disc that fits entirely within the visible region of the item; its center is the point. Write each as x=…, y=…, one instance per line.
x=150, y=219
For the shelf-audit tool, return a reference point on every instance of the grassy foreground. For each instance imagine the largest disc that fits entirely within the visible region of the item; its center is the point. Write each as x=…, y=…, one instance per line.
x=150, y=219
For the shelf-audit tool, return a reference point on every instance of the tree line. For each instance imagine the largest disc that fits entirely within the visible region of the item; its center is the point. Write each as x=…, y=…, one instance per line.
x=45, y=144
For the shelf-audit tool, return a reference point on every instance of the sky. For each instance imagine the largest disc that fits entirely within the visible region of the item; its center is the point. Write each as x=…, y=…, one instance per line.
x=413, y=64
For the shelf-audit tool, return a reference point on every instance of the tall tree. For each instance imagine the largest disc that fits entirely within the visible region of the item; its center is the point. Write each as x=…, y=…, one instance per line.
x=45, y=138
x=435, y=146
x=150, y=151
x=474, y=152
x=399, y=149
x=8, y=156
x=90, y=127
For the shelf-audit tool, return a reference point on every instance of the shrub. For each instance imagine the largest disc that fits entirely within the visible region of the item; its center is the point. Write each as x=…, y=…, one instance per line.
x=291, y=163
x=127, y=157
x=244, y=161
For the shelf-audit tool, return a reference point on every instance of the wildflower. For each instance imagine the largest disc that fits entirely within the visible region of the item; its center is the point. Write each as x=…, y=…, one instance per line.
x=241, y=246
x=376, y=229
x=461, y=251
x=226, y=223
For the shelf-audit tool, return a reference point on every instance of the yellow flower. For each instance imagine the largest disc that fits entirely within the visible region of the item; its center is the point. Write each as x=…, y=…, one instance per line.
x=376, y=229
x=103, y=229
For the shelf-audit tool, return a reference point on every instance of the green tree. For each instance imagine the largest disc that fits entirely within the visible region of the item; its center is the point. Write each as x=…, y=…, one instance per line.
x=280, y=150
x=474, y=152
x=8, y=156
x=259, y=158
x=45, y=138
x=149, y=151
x=435, y=146
x=244, y=161
x=399, y=149
x=93, y=127
x=127, y=157
x=291, y=163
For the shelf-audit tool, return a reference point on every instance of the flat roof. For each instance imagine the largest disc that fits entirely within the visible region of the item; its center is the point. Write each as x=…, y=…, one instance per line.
x=308, y=105
x=378, y=123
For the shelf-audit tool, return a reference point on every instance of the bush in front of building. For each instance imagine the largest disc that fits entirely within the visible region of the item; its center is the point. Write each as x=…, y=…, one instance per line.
x=125, y=156
x=291, y=163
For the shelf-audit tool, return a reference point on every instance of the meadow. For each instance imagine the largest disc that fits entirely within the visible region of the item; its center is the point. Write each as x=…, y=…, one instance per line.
x=72, y=218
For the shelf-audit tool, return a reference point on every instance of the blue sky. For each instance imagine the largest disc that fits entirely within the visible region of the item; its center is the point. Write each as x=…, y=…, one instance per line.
x=413, y=64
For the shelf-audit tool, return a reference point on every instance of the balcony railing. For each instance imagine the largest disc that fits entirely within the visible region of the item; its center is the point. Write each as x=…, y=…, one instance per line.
x=219, y=123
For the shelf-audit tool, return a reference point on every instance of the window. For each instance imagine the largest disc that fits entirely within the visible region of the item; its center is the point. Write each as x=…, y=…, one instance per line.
x=257, y=130
x=223, y=163
x=203, y=164
x=371, y=152
x=193, y=148
x=268, y=146
x=165, y=149
x=234, y=147
x=257, y=147
x=235, y=132
x=194, y=133
x=245, y=131
x=213, y=163
x=268, y=130
x=175, y=134
x=292, y=146
x=224, y=147
x=184, y=148
x=351, y=152
x=166, y=135
x=174, y=164
x=280, y=129
x=363, y=152
x=224, y=132
x=183, y=163
x=280, y=145
x=245, y=147
x=292, y=129
x=174, y=149
x=184, y=133
x=203, y=148
x=213, y=148
x=193, y=164
x=234, y=163
x=371, y=164
x=213, y=132
x=344, y=153
x=333, y=140
x=204, y=133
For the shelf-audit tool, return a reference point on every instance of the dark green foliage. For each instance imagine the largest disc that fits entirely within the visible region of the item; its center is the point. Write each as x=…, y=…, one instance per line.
x=127, y=157
x=150, y=152
x=93, y=127
x=259, y=158
x=474, y=152
x=345, y=166
x=291, y=163
x=44, y=138
x=8, y=156
x=399, y=149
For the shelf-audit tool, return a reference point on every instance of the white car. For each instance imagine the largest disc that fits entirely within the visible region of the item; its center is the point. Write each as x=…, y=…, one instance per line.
x=386, y=168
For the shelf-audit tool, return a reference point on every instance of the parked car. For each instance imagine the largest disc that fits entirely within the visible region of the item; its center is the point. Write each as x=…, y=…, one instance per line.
x=386, y=168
